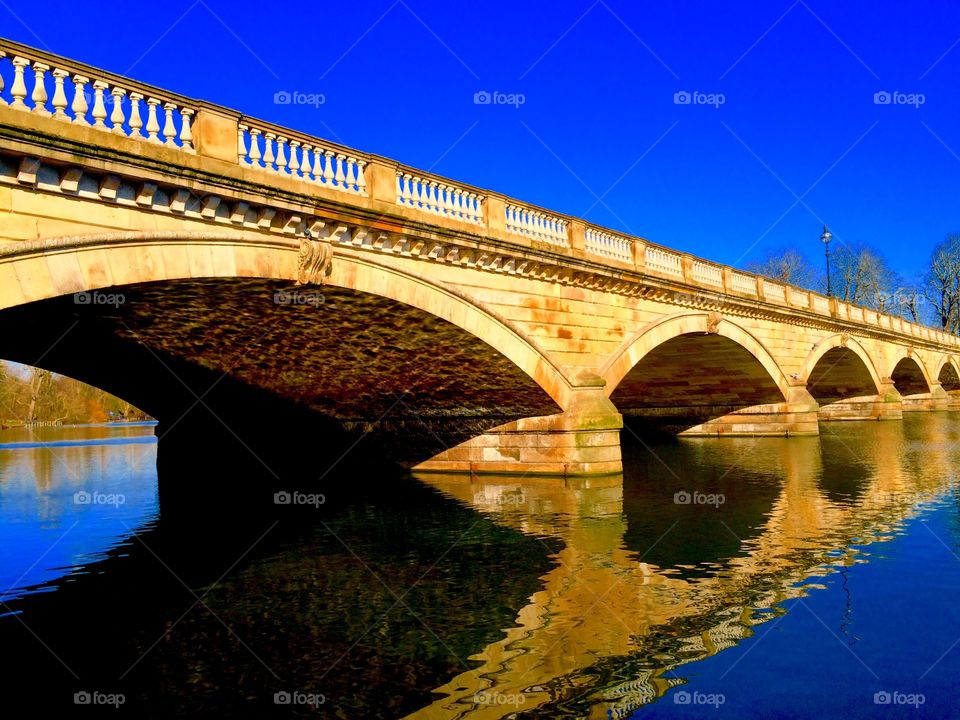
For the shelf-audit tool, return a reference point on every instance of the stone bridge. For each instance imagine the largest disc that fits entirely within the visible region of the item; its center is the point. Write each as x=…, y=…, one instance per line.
x=196, y=261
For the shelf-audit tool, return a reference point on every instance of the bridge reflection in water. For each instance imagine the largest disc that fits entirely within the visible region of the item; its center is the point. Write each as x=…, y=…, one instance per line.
x=625, y=608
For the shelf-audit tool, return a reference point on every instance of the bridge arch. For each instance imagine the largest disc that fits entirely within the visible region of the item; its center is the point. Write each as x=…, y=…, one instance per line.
x=833, y=363
x=909, y=373
x=43, y=269
x=948, y=373
x=674, y=326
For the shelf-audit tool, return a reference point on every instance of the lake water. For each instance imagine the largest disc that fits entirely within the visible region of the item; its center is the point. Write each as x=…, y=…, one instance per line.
x=736, y=578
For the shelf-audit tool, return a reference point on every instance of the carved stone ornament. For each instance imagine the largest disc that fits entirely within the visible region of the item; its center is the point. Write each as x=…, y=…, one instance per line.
x=713, y=323
x=314, y=263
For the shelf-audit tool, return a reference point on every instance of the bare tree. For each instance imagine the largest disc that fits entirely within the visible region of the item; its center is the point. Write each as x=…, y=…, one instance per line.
x=942, y=286
x=861, y=276
x=787, y=265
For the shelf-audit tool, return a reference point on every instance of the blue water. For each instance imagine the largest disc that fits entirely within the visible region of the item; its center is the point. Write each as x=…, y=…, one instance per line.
x=820, y=579
x=887, y=625
x=47, y=530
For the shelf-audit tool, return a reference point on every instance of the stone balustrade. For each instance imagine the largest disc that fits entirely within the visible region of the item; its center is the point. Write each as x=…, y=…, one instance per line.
x=607, y=244
x=536, y=225
x=664, y=261
x=45, y=85
x=86, y=96
x=438, y=196
x=284, y=152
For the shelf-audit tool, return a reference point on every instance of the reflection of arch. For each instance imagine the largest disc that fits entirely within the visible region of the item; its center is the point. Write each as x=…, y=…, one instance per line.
x=33, y=271
x=674, y=326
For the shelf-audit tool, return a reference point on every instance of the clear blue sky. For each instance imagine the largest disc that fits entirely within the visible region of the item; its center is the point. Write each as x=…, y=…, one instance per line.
x=599, y=119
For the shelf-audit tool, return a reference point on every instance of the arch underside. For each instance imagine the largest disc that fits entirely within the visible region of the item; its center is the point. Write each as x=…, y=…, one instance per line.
x=259, y=356
x=693, y=379
x=908, y=378
x=844, y=387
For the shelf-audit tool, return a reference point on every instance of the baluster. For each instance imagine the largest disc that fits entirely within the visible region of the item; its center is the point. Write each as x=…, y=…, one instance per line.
x=446, y=192
x=328, y=175
x=468, y=206
x=318, y=165
x=242, y=144
x=2, y=101
x=99, y=109
x=434, y=197
x=186, y=131
x=282, y=155
x=169, y=129
x=19, y=88
x=136, y=122
x=305, y=165
x=340, y=176
x=79, y=105
x=116, y=116
x=254, y=148
x=406, y=196
x=294, y=163
x=59, y=95
x=153, y=127
x=419, y=193
x=268, y=151
x=362, y=177
x=351, y=174
x=39, y=96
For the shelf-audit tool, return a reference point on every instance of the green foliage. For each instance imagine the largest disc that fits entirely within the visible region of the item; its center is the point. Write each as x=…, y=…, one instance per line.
x=36, y=395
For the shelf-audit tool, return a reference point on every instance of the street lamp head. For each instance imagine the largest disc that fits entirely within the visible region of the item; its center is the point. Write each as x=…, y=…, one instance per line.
x=827, y=236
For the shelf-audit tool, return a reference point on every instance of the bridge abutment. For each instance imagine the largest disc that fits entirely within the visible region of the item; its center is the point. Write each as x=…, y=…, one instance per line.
x=796, y=416
x=936, y=399
x=887, y=405
x=582, y=441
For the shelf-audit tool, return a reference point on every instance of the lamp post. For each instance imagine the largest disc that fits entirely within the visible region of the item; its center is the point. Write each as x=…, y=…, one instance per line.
x=825, y=238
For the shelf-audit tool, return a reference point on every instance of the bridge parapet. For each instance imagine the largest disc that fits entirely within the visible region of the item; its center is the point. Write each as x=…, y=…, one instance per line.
x=128, y=111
